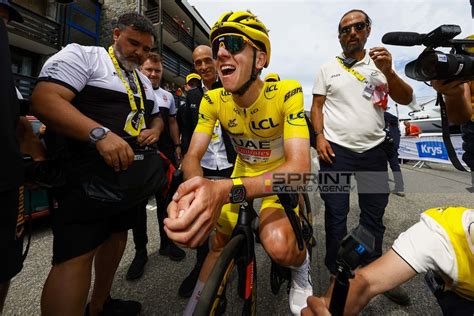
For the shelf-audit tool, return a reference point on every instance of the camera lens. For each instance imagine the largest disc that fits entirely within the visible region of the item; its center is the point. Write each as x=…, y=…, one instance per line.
x=428, y=66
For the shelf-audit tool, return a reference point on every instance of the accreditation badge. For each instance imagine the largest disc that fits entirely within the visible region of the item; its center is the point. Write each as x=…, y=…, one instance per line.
x=135, y=122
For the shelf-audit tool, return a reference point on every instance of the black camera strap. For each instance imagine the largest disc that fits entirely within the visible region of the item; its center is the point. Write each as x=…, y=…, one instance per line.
x=446, y=135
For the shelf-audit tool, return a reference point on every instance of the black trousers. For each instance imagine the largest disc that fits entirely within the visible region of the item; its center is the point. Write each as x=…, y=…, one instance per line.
x=370, y=169
x=140, y=236
x=453, y=304
x=397, y=173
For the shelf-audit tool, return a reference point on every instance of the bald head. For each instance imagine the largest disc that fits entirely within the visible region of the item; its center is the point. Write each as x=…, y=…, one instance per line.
x=204, y=65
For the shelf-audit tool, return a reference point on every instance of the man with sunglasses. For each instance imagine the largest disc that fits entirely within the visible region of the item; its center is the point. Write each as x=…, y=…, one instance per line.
x=94, y=98
x=349, y=98
x=265, y=121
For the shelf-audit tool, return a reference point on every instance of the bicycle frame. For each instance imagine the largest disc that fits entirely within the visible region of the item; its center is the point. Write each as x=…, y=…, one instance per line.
x=247, y=252
x=239, y=253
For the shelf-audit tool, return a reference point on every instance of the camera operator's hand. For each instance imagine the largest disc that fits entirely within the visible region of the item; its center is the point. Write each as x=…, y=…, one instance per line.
x=317, y=306
x=382, y=59
x=116, y=152
x=323, y=149
x=457, y=96
x=148, y=136
x=453, y=88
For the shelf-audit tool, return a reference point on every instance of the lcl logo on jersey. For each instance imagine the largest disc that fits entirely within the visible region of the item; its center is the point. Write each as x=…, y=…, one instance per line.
x=165, y=98
x=296, y=119
x=270, y=91
x=263, y=124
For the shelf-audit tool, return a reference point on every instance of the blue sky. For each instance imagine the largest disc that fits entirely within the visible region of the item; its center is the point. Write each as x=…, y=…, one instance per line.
x=303, y=33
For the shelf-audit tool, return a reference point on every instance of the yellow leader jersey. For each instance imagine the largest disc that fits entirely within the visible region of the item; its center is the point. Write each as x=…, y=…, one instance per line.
x=258, y=131
x=457, y=222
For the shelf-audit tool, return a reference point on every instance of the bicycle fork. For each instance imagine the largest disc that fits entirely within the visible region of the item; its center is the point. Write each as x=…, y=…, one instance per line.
x=247, y=266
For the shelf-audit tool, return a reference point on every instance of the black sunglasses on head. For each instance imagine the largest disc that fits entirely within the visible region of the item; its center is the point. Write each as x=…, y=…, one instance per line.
x=359, y=26
x=233, y=43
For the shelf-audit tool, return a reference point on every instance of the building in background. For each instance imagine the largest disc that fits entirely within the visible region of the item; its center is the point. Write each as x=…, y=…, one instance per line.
x=49, y=26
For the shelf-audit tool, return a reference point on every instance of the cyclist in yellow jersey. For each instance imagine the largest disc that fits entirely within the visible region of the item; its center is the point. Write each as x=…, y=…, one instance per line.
x=441, y=242
x=269, y=133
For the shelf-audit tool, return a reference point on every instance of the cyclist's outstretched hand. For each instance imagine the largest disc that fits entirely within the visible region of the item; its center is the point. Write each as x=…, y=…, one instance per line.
x=316, y=306
x=192, y=217
x=324, y=150
x=116, y=152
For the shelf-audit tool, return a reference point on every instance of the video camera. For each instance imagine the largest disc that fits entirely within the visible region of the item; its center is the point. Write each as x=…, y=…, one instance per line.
x=433, y=64
x=355, y=247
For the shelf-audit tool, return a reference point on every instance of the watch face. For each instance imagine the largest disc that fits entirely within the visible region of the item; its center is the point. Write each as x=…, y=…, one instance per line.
x=238, y=194
x=98, y=133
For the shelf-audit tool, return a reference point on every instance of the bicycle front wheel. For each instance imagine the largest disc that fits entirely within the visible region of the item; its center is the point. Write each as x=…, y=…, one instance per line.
x=231, y=287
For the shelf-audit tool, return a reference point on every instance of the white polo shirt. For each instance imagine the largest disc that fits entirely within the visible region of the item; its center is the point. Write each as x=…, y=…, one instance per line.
x=350, y=119
x=215, y=157
x=165, y=100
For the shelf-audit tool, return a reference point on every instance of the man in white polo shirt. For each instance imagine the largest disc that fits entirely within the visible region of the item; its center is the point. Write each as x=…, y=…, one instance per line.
x=349, y=98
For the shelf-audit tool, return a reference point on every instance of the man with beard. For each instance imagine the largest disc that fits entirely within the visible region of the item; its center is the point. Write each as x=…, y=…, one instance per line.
x=94, y=98
x=349, y=98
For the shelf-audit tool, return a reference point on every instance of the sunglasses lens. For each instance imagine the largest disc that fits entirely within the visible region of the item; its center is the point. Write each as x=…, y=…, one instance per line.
x=235, y=44
x=232, y=43
x=360, y=26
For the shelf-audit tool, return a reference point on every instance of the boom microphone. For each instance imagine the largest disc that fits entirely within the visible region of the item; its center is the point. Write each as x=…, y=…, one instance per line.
x=403, y=38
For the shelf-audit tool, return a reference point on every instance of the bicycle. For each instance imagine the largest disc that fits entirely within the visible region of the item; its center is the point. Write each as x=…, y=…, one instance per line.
x=231, y=287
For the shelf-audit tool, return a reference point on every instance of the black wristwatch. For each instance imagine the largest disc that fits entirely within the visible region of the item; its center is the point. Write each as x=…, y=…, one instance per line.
x=97, y=134
x=237, y=192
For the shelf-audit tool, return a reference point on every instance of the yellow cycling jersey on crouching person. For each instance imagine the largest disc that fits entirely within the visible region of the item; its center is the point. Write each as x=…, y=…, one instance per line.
x=458, y=223
x=257, y=132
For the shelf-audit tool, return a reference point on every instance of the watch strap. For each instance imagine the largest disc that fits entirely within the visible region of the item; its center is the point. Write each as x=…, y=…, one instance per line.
x=237, y=181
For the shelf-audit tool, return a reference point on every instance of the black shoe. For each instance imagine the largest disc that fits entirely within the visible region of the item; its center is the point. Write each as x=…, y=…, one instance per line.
x=187, y=286
x=398, y=295
x=135, y=271
x=173, y=252
x=118, y=307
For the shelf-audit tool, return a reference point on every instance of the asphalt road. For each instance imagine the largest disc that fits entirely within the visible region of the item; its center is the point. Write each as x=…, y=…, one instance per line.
x=157, y=289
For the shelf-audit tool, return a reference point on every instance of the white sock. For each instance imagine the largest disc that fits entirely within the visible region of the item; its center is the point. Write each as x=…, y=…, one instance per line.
x=301, y=274
x=194, y=298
